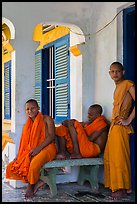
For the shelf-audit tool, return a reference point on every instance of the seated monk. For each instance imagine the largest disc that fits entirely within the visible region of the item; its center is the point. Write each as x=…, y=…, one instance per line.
x=36, y=148
x=83, y=139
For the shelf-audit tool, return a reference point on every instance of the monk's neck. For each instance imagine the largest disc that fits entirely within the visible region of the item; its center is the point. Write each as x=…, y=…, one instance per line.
x=118, y=82
x=32, y=119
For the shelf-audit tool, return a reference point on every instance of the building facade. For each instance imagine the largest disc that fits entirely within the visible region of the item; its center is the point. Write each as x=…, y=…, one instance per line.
x=60, y=53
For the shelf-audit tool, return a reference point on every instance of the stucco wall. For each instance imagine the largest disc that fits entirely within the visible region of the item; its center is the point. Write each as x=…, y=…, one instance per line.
x=98, y=52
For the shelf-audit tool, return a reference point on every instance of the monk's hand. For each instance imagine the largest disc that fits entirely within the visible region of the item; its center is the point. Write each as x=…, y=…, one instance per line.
x=34, y=151
x=65, y=123
x=125, y=121
x=122, y=121
x=68, y=122
x=71, y=122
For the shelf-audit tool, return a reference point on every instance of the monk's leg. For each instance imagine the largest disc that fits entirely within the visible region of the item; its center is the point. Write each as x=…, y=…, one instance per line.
x=29, y=191
x=65, y=141
x=37, y=163
x=73, y=134
x=38, y=185
x=62, y=146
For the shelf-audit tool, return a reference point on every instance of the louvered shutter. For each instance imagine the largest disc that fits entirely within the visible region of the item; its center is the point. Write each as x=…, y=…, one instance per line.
x=7, y=90
x=62, y=75
x=38, y=77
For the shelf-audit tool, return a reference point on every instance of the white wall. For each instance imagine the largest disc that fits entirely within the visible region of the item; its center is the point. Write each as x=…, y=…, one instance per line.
x=76, y=79
x=98, y=52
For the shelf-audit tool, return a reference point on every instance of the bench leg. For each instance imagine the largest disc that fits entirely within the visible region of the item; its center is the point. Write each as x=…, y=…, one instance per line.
x=89, y=173
x=50, y=179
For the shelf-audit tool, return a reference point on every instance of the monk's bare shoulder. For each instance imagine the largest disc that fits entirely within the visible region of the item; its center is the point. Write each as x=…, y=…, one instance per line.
x=48, y=119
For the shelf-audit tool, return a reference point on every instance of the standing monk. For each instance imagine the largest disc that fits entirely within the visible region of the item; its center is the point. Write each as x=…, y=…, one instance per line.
x=36, y=148
x=117, y=167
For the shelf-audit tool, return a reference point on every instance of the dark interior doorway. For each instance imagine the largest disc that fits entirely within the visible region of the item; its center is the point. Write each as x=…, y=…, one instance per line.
x=129, y=64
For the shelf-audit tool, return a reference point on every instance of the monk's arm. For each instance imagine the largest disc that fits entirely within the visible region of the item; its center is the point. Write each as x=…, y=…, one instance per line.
x=93, y=137
x=71, y=121
x=132, y=115
x=50, y=135
x=127, y=121
x=50, y=131
x=67, y=122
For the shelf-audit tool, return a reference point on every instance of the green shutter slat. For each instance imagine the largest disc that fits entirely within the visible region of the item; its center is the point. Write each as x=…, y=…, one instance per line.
x=61, y=62
x=7, y=90
x=62, y=100
x=61, y=80
x=38, y=81
x=7, y=101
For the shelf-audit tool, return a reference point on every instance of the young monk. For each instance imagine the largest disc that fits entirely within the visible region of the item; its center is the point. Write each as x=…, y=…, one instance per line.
x=117, y=151
x=36, y=148
x=83, y=139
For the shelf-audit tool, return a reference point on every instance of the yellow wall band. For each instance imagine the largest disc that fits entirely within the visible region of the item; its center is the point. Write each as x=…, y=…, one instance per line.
x=50, y=36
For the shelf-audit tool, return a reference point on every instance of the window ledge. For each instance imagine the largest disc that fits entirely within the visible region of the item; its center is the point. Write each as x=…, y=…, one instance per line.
x=6, y=138
x=7, y=121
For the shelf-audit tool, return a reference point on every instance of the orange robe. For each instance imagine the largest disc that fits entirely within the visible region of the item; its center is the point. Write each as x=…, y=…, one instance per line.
x=25, y=168
x=117, y=170
x=87, y=148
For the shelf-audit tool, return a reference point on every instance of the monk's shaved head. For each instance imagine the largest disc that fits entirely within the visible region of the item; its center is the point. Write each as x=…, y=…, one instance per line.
x=33, y=101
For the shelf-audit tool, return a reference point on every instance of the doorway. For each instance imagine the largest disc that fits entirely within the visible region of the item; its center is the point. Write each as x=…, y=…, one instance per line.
x=129, y=64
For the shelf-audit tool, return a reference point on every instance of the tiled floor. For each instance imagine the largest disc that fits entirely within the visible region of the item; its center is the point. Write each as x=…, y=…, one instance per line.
x=68, y=192
x=71, y=192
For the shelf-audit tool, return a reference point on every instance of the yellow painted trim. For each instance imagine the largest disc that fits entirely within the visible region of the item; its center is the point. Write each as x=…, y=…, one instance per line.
x=50, y=36
x=74, y=50
x=37, y=34
x=6, y=33
x=5, y=139
x=7, y=122
x=7, y=46
x=6, y=57
x=6, y=125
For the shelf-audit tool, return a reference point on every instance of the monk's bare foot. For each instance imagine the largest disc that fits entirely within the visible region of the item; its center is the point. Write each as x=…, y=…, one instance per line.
x=75, y=156
x=38, y=185
x=117, y=195
x=61, y=156
x=29, y=191
x=129, y=191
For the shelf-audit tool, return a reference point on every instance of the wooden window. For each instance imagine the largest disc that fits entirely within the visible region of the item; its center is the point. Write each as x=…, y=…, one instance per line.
x=52, y=79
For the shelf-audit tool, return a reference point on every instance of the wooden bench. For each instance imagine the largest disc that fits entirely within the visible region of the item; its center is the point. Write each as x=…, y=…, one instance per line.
x=89, y=168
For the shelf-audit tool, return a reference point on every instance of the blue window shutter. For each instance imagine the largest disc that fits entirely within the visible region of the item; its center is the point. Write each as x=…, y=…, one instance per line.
x=7, y=90
x=38, y=77
x=62, y=81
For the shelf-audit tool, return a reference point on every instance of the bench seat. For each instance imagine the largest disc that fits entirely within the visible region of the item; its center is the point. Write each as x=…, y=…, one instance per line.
x=89, y=168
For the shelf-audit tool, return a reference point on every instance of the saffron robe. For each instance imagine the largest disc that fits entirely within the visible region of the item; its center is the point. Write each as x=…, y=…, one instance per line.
x=25, y=168
x=117, y=169
x=86, y=147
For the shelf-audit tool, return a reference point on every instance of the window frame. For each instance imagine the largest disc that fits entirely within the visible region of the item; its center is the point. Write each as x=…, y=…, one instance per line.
x=44, y=66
